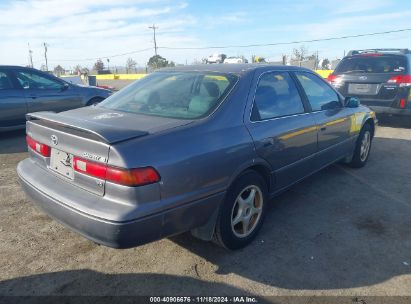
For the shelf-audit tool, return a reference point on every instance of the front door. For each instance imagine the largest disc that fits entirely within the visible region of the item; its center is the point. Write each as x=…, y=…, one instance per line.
x=46, y=93
x=284, y=132
x=333, y=119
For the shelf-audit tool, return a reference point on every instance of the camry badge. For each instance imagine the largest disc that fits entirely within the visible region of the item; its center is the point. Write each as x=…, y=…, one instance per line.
x=54, y=140
x=94, y=157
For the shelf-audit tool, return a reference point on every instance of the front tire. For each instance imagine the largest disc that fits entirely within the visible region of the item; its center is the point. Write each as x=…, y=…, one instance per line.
x=242, y=212
x=362, y=147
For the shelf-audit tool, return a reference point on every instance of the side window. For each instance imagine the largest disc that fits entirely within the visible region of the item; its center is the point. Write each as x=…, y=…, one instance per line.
x=29, y=80
x=5, y=82
x=319, y=94
x=276, y=96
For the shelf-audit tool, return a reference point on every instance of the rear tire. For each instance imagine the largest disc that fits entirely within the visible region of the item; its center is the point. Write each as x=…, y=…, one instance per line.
x=242, y=211
x=362, y=147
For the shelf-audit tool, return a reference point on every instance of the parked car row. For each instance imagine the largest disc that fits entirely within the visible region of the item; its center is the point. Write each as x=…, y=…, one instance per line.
x=195, y=148
x=25, y=90
x=222, y=58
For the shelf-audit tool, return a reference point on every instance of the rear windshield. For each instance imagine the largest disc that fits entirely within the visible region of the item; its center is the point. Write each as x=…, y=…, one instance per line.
x=182, y=95
x=372, y=64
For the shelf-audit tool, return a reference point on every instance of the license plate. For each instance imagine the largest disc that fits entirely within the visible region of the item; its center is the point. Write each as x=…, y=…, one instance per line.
x=62, y=163
x=361, y=88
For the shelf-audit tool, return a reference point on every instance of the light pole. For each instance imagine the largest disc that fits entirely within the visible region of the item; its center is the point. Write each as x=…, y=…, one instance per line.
x=153, y=27
x=45, y=55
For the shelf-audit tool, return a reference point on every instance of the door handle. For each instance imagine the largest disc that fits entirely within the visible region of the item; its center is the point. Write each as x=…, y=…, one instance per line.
x=323, y=128
x=268, y=142
x=33, y=96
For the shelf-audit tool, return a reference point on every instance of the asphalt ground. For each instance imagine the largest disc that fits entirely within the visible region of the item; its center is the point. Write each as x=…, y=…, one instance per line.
x=343, y=231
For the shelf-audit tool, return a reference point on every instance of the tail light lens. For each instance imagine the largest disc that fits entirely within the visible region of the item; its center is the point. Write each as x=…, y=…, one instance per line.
x=331, y=78
x=402, y=103
x=334, y=80
x=38, y=147
x=401, y=80
x=126, y=177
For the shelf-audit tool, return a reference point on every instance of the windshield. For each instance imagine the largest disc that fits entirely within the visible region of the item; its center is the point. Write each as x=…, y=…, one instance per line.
x=182, y=95
x=372, y=64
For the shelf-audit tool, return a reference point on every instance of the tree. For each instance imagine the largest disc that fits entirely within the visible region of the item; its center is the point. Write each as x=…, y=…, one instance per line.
x=85, y=71
x=59, y=70
x=77, y=69
x=99, y=65
x=300, y=53
x=157, y=62
x=43, y=68
x=131, y=65
x=325, y=65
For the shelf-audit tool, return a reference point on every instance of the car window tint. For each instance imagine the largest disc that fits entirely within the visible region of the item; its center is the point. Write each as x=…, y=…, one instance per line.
x=319, y=94
x=29, y=80
x=372, y=64
x=173, y=94
x=5, y=83
x=276, y=96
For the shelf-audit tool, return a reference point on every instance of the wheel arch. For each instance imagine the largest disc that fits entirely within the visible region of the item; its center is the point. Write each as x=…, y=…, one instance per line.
x=206, y=232
x=94, y=99
x=370, y=121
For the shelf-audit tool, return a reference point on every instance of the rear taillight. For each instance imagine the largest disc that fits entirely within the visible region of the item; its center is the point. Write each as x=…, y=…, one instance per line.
x=401, y=80
x=127, y=177
x=38, y=147
x=334, y=79
x=331, y=78
x=402, y=103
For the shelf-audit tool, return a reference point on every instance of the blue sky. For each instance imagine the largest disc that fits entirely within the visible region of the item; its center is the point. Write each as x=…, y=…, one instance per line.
x=78, y=31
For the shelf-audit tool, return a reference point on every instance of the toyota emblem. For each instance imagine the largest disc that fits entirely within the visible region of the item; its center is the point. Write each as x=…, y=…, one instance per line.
x=54, y=139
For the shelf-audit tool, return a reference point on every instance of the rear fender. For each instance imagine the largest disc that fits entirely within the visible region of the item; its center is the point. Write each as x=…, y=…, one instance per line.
x=206, y=231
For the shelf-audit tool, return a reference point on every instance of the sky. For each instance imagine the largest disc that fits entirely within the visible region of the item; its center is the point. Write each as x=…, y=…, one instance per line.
x=81, y=31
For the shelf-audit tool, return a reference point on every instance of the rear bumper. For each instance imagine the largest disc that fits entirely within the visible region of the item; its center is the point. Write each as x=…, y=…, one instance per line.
x=390, y=110
x=112, y=233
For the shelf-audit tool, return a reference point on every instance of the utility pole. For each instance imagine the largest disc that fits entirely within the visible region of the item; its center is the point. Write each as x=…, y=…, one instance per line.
x=30, y=56
x=153, y=27
x=45, y=55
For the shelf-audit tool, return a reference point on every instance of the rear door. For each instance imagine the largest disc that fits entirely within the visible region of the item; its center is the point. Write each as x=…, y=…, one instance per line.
x=45, y=93
x=283, y=130
x=332, y=118
x=13, y=106
x=367, y=77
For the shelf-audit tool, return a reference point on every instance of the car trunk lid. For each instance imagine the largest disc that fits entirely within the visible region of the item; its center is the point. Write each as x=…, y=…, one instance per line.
x=88, y=133
x=372, y=89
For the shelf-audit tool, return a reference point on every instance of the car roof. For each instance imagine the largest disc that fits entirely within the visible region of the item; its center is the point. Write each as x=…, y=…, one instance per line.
x=234, y=68
x=6, y=67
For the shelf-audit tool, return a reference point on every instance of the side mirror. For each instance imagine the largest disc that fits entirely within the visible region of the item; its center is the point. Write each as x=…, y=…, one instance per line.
x=352, y=102
x=26, y=85
x=65, y=87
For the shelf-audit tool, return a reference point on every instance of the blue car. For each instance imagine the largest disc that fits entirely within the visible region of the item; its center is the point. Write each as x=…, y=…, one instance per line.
x=24, y=90
x=201, y=148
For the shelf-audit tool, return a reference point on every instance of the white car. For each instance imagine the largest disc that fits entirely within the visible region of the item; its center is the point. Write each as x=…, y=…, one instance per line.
x=235, y=60
x=216, y=58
